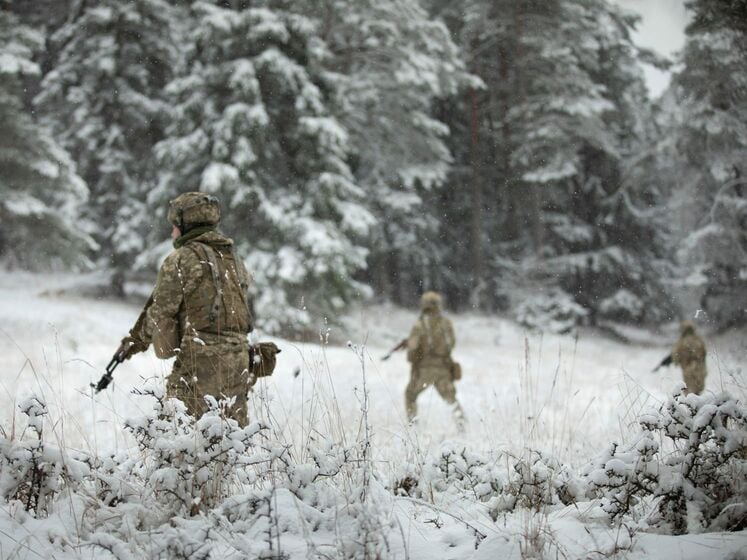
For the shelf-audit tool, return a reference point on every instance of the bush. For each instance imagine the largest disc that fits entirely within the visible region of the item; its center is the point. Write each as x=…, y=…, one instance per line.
x=34, y=472
x=554, y=311
x=698, y=482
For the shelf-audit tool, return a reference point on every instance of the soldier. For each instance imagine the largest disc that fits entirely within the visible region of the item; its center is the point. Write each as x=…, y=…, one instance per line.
x=199, y=311
x=689, y=352
x=429, y=352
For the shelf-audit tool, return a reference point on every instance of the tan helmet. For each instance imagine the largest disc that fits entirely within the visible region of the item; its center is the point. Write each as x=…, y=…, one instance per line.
x=686, y=328
x=430, y=301
x=194, y=209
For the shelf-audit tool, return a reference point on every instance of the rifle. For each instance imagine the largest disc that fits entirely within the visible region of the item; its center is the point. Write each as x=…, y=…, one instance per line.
x=107, y=377
x=131, y=344
x=665, y=362
x=400, y=346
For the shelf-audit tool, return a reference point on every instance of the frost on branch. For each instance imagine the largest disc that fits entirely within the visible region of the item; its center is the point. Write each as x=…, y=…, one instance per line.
x=33, y=472
x=693, y=481
x=190, y=465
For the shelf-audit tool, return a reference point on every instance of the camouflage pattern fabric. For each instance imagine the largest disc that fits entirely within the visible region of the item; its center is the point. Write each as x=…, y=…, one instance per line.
x=689, y=353
x=212, y=365
x=429, y=349
x=420, y=380
x=211, y=321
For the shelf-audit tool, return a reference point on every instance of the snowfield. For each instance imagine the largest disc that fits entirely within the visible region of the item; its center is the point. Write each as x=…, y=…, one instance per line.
x=568, y=397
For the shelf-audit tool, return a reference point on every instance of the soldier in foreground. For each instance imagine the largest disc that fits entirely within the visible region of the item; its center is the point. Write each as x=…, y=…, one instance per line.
x=429, y=353
x=199, y=311
x=689, y=352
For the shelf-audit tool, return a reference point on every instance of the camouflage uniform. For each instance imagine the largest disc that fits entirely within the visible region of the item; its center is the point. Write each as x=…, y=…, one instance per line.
x=429, y=351
x=201, y=312
x=690, y=354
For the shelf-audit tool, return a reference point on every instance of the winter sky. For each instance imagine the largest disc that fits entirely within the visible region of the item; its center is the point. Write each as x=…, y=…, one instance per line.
x=662, y=30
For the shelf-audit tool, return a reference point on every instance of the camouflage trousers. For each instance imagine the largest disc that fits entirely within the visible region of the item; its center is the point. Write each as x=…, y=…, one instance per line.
x=423, y=376
x=694, y=378
x=214, y=365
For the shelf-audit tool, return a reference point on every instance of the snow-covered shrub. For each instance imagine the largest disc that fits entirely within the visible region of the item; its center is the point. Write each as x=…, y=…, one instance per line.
x=406, y=480
x=460, y=472
x=698, y=477
x=623, y=305
x=621, y=478
x=190, y=465
x=554, y=311
x=537, y=480
x=504, y=482
x=33, y=472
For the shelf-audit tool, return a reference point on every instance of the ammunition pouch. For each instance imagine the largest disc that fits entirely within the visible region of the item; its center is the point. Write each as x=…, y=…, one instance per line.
x=456, y=370
x=262, y=359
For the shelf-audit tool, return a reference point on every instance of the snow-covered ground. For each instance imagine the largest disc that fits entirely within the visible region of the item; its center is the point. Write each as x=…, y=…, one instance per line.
x=569, y=396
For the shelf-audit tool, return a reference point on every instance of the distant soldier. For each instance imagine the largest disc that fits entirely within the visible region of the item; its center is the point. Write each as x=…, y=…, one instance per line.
x=689, y=352
x=429, y=352
x=199, y=311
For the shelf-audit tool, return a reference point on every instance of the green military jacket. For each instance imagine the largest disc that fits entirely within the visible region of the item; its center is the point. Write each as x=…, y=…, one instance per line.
x=201, y=293
x=431, y=339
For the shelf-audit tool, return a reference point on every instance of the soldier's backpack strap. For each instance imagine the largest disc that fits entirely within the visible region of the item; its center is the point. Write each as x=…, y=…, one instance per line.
x=243, y=280
x=207, y=254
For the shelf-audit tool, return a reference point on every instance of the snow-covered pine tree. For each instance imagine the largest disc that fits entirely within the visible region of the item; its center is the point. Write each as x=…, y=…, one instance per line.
x=391, y=63
x=601, y=218
x=45, y=15
x=709, y=190
x=253, y=125
x=549, y=141
x=41, y=193
x=103, y=100
x=479, y=142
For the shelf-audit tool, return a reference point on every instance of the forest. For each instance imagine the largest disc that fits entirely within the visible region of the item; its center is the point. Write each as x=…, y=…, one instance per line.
x=505, y=153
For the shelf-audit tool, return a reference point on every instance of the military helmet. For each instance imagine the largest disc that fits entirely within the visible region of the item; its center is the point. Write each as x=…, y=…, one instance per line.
x=687, y=327
x=430, y=301
x=194, y=209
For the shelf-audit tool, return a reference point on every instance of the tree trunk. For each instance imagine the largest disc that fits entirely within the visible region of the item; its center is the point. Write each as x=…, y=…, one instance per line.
x=529, y=196
x=476, y=250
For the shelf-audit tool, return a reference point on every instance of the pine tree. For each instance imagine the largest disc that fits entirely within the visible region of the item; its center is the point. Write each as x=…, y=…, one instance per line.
x=548, y=144
x=103, y=100
x=709, y=125
x=252, y=124
x=391, y=64
x=606, y=214
x=40, y=191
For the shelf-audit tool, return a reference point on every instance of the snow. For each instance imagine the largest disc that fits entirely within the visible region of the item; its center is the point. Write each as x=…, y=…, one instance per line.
x=566, y=396
x=12, y=64
x=217, y=175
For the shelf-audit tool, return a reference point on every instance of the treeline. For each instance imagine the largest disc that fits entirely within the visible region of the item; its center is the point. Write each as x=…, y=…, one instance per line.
x=505, y=153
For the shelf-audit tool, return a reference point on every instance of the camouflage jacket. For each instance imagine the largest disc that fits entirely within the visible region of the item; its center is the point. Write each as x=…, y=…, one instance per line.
x=431, y=339
x=201, y=292
x=689, y=351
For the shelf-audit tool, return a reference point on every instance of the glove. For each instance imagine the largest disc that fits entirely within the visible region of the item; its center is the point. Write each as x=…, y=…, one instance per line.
x=129, y=347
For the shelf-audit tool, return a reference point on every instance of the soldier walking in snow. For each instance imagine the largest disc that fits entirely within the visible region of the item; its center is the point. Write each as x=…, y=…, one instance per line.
x=429, y=352
x=199, y=311
x=689, y=352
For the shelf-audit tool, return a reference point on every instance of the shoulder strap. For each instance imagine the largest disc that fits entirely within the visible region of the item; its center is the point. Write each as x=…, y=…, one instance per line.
x=207, y=253
x=243, y=281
